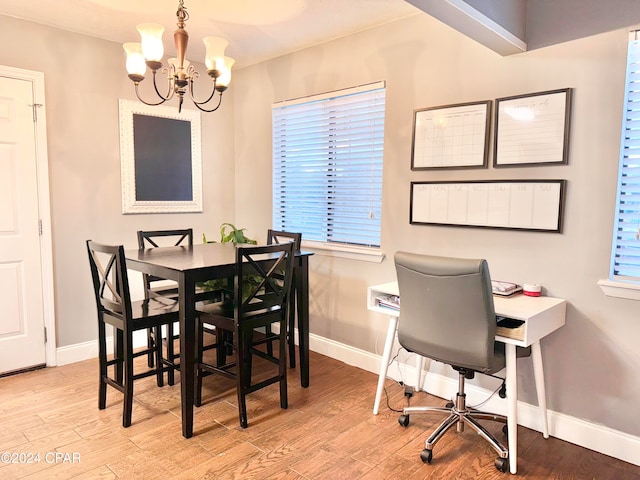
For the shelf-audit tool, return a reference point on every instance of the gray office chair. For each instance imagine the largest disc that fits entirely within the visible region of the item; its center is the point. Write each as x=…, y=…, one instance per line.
x=447, y=315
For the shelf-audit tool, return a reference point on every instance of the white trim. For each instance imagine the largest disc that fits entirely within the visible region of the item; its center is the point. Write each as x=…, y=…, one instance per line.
x=88, y=350
x=571, y=429
x=366, y=254
x=627, y=290
x=332, y=94
x=44, y=208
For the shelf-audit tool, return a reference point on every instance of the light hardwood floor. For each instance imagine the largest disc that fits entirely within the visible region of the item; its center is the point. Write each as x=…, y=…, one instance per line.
x=328, y=432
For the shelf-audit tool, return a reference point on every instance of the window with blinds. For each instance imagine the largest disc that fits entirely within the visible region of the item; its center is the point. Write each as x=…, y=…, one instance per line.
x=327, y=166
x=625, y=258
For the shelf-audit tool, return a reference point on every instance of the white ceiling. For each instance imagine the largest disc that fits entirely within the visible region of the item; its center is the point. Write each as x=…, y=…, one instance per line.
x=257, y=30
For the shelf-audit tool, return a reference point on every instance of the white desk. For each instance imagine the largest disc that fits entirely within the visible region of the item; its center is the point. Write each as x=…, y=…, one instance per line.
x=542, y=315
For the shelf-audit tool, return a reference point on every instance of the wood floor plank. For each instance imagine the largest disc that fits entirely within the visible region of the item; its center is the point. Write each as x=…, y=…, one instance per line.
x=328, y=432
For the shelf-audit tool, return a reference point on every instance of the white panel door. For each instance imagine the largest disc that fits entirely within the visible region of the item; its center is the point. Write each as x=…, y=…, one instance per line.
x=22, y=342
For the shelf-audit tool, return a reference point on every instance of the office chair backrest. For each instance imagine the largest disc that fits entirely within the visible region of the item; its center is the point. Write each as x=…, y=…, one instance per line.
x=110, y=281
x=446, y=310
x=276, y=237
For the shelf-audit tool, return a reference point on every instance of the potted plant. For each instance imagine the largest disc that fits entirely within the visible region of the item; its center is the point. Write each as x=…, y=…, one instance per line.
x=229, y=233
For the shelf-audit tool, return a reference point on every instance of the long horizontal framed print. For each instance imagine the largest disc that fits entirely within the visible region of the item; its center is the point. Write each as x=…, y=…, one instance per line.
x=161, y=159
x=451, y=136
x=535, y=205
x=533, y=129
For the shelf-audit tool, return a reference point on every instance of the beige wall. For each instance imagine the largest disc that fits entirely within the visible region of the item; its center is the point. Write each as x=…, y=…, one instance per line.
x=591, y=364
x=84, y=78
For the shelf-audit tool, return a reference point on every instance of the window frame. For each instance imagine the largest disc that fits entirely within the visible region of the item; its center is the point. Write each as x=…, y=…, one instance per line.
x=620, y=285
x=374, y=162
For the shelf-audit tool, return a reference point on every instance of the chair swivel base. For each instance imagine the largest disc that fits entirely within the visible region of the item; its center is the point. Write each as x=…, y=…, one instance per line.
x=459, y=415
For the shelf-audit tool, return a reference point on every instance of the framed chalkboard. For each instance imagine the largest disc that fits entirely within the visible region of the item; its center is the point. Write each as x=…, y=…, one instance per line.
x=161, y=161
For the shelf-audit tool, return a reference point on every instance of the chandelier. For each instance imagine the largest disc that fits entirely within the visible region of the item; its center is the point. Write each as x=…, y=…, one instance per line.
x=180, y=74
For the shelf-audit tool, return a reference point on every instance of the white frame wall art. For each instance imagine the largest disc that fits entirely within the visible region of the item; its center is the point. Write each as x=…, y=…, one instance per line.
x=161, y=159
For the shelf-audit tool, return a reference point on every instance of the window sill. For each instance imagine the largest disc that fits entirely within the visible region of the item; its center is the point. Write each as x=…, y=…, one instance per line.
x=365, y=254
x=611, y=288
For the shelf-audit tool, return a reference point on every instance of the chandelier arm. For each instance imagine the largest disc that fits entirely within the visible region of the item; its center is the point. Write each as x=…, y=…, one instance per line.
x=170, y=86
x=149, y=103
x=193, y=99
x=198, y=105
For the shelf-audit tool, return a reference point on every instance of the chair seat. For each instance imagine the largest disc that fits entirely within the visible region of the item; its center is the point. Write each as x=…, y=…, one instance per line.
x=222, y=312
x=153, y=307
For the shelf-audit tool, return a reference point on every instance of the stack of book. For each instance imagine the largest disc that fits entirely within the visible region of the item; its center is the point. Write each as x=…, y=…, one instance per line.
x=388, y=301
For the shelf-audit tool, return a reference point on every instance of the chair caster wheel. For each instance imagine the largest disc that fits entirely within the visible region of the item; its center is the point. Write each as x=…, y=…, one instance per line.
x=449, y=405
x=426, y=456
x=403, y=420
x=502, y=464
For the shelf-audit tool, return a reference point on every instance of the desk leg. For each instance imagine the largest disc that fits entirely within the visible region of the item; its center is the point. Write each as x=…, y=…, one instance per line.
x=187, y=353
x=419, y=368
x=386, y=355
x=538, y=373
x=512, y=406
x=302, y=294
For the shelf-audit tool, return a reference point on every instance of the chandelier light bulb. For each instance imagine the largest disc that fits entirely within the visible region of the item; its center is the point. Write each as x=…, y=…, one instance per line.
x=136, y=66
x=225, y=73
x=215, y=51
x=151, y=39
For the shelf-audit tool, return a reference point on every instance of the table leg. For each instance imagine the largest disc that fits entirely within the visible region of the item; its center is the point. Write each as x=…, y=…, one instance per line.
x=187, y=352
x=538, y=373
x=386, y=356
x=512, y=406
x=302, y=294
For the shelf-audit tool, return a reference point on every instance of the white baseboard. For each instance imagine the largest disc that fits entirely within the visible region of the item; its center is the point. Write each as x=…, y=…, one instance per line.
x=87, y=350
x=571, y=429
x=574, y=430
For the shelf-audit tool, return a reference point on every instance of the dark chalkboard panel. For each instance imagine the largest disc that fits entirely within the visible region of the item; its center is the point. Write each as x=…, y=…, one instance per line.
x=163, y=163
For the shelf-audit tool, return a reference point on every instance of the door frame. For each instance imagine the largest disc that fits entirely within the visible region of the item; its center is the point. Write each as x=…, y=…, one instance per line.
x=44, y=207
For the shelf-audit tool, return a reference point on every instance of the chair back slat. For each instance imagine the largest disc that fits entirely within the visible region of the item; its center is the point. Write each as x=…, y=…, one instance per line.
x=278, y=237
x=263, y=281
x=110, y=280
x=158, y=238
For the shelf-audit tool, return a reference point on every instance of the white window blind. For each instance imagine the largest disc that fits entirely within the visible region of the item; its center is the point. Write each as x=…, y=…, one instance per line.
x=327, y=165
x=625, y=258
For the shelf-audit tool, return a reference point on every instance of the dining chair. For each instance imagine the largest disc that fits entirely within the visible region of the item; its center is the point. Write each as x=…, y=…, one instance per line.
x=115, y=308
x=278, y=237
x=154, y=286
x=262, y=286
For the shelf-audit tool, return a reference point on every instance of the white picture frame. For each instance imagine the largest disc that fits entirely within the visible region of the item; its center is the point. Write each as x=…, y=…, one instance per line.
x=160, y=159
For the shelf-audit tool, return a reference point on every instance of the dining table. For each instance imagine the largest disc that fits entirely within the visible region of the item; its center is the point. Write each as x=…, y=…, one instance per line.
x=190, y=265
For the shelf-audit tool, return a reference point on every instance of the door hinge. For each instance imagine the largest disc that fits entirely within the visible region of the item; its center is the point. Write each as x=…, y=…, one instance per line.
x=40, y=226
x=35, y=106
x=45, y=334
